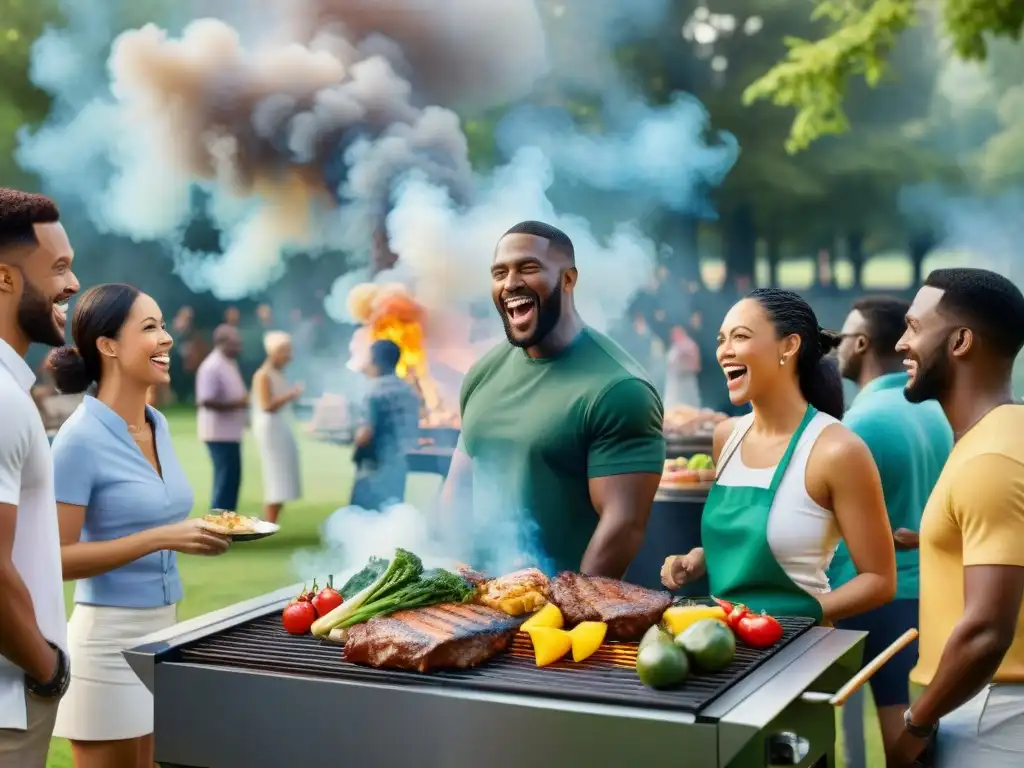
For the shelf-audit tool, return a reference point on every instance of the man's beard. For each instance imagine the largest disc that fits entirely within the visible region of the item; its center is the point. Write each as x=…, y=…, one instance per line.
x=932, y=380
x=548, y=313
x=850, y=368
x=35, y=318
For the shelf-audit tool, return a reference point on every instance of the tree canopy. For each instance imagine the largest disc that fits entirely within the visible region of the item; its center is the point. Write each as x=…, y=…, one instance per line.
x=814, y=75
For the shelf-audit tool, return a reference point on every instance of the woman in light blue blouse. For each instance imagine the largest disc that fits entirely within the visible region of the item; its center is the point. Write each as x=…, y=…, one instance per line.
x=124, y=504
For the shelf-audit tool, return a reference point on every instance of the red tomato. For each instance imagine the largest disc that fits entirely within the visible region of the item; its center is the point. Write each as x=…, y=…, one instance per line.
x=759, y=630
x=326, y=600
x=737, y=613
x=298, y=617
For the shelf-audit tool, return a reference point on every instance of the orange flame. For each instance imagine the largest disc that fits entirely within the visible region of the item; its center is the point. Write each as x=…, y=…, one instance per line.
x=389, y=312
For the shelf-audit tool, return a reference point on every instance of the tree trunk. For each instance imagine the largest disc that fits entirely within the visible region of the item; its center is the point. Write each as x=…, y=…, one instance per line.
x=679, y=233
x=774, y=254
x=855, y=253
x=919, y=247
x=740, y=248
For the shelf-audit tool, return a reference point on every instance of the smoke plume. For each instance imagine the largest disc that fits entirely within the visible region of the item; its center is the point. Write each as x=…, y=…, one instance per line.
x=304, y=126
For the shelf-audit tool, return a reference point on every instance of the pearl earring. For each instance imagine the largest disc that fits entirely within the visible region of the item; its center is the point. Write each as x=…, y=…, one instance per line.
x=782, y=361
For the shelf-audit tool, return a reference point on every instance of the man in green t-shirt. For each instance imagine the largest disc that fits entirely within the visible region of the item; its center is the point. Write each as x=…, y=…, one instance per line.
x=561, y=449
x=910, y=444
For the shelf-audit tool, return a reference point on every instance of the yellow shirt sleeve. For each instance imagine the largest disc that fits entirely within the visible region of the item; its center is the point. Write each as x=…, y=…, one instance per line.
x=987, y=502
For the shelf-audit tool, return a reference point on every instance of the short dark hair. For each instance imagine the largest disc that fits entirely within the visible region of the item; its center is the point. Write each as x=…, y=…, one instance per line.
x=886, y=320
x=385, y=354
x=986, y=302
x=553, y=235
x=101, y=312
x=19, y=212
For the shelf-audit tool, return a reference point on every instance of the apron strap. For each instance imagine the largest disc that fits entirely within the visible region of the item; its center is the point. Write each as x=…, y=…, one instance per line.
x=731, y=446
x=783, y=465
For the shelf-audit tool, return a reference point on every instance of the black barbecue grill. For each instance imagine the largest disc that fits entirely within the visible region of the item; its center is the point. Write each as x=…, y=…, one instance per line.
x=232, y=690
x=610, y=678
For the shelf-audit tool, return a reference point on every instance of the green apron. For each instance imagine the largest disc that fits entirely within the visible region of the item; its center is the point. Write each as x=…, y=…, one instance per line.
x=734, y=533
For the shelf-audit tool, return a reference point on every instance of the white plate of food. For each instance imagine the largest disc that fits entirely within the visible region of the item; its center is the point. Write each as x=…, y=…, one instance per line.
x=239, y=527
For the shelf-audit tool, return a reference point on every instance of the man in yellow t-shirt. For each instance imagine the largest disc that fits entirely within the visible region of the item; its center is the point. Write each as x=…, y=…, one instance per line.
x=964, y=331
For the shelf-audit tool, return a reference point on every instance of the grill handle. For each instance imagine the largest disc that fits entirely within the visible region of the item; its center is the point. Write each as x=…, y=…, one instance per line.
x=857, y=681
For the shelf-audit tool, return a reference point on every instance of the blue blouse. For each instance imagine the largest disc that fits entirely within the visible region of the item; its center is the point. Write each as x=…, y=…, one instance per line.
x=98, y=465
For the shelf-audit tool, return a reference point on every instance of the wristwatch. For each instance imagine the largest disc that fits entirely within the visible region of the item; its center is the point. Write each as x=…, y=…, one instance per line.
x=915, y=730
x=56, y=686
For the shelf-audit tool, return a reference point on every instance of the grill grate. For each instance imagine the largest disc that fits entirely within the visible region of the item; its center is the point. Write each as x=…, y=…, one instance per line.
x=608, y=677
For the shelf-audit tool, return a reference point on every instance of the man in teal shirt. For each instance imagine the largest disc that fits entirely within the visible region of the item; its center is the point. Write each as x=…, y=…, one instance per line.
x=910, y=444
x=561, y=450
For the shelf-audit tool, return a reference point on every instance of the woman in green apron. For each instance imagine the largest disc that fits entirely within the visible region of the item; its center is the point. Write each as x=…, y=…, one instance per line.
x=791, y=480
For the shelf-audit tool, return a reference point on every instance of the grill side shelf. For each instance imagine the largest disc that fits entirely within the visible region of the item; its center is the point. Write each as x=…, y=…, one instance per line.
x=261, y=645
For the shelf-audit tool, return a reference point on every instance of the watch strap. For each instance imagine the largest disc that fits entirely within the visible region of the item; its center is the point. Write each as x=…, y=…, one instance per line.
x=915, y=730
x=56, y=686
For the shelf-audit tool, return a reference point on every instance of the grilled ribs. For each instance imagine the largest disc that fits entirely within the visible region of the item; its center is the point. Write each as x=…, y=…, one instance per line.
x=627, y=609
x=453, y=635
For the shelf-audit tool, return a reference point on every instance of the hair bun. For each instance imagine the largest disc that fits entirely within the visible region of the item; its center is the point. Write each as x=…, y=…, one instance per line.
x=828, y=340
x=70, y=373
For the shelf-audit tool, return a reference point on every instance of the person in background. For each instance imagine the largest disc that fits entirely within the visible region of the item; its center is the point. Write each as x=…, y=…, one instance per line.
x=190, y=349
x=223, y=400
x=123, y=502
x=557, y=420
x=792, y=480
x=272, y=426
x=964, y=330
x=639, y=342
x=232, y=316
x=388, y=431
x=910, y=444
x=683, y=366
x=36, y=282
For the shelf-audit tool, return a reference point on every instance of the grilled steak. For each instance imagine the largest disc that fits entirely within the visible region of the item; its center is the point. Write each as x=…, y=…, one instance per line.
x=628, y=610
x=453, y=635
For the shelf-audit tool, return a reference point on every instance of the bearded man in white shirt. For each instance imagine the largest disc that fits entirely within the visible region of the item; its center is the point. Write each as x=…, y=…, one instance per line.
x=36, y=282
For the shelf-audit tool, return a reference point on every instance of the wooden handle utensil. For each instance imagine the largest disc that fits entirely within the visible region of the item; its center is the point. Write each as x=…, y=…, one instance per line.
x=857, y=681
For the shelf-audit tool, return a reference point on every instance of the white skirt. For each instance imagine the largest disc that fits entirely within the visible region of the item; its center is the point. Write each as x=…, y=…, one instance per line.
x=106, y=701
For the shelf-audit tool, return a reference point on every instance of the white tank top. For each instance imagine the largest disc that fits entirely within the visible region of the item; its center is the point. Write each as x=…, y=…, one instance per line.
x=801, y=533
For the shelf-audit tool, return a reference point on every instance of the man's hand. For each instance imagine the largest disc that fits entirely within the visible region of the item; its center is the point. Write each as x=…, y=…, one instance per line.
x=905, y=751
x=905, y=539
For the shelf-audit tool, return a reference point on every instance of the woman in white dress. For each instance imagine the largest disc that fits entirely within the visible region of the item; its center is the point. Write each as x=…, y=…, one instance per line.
x=272, y=425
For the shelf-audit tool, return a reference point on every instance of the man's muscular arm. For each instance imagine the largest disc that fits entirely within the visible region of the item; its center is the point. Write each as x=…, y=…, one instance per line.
x=988, y=502
x=624, y=504
x=624, y=463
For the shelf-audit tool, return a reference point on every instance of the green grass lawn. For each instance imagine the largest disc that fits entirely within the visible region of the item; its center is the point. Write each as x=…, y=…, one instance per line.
x=258, y=567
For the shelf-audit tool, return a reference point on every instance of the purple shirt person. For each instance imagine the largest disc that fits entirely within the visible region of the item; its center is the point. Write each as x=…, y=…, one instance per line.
x=223, y=400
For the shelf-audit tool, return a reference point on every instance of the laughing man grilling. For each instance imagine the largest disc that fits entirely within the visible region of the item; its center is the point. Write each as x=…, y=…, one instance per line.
x=561, y=430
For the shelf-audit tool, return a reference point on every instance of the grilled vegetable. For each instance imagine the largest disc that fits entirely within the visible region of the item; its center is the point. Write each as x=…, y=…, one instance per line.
x=298, y=617
x=680, y=617
x=737, y=613
x=759, y=630
x=327, y=599
x=725, y=605
x=710, y=644
x=587, y=637
x=548, y=616
x=549, y=644
x=654, y=634
x=404, y=569
x=373, y=570
x=661, y=663
x=432, y=588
